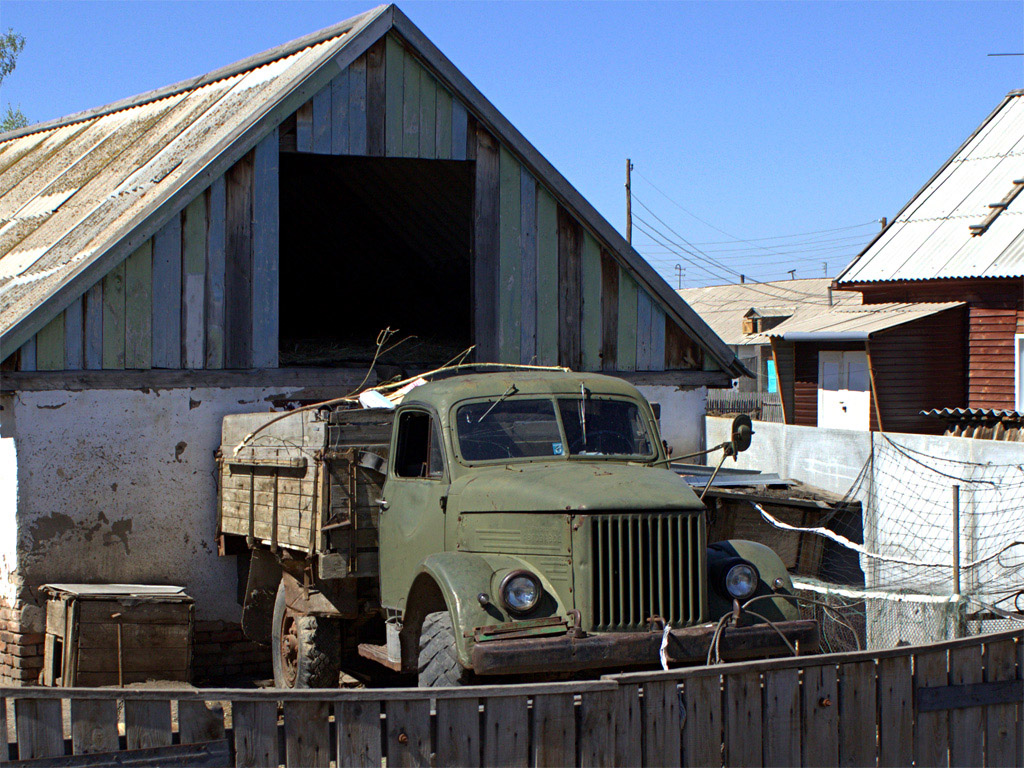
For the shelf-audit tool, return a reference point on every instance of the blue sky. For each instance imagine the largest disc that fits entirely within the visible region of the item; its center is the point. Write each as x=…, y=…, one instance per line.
x=745, y=121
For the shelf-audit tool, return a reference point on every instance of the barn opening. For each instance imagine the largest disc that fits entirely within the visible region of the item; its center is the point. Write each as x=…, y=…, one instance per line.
x=371, y=243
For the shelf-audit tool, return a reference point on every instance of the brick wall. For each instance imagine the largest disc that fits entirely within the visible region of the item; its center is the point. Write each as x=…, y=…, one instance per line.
x=222, y=653
x=21, y=642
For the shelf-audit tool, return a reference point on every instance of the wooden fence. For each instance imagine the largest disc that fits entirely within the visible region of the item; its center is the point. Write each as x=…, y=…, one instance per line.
x=762, y=406
x=954, y=703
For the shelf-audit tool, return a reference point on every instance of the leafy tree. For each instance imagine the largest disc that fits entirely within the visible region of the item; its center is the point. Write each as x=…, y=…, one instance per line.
x=11, y=44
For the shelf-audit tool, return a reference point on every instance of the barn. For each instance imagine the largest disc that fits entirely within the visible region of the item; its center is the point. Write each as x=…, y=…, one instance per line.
x=237, y=242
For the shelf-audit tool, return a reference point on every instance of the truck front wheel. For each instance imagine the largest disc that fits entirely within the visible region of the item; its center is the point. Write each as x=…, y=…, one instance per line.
x=305, y=649
x=438, y=660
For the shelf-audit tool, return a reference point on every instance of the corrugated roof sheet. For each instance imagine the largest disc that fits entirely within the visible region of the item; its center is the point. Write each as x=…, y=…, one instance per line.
x=984, y=414
x=931, y=237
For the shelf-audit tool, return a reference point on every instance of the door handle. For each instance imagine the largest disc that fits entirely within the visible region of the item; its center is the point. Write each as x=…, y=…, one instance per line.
x=382, y=503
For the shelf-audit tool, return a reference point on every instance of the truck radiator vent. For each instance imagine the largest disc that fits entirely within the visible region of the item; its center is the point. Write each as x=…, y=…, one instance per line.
x=647, y=565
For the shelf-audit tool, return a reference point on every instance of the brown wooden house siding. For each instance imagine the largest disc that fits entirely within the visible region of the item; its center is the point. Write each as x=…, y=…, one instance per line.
x=805, y=379
x=990, y=374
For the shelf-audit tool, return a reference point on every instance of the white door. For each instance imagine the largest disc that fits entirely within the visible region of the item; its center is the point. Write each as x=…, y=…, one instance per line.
x=844, y=390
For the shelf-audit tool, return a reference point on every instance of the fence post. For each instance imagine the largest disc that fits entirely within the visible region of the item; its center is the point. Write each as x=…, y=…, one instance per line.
x=956, y=540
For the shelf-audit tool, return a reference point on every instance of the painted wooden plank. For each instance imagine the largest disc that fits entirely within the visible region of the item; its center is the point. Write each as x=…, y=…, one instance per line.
x=662, y=724
x=39, y=728
x=628, y=745
x=781, y=726
x=322, y=129
x=254, y=724
x=820, y=715
x=93, y=726
x=166, y=347
x=113, y=319
x=702, y=728
x=458, y=732
x=895, y=711
x=590, y=311
x=657, y=337
x=339, y=111
x=1002, y=729
x=193, y=279
x=528, y=267
x=644, y=318
x=266, y=255
x=966, y=726
x=199, y=721
x=570, y=245
x=486, y=248
x=443, y=124
x=147, y=724
x=304, y=127
x=138, y=308
x=857, y=714
x=428, y=116
x=27, y=355
x=460, y=130
x=357, y=125
x=376, y=98
x=554, y=730
x=410, y=106
x=408, y=733
x=547, y=278
x=931, y=729
x=215, y=277
x=626, y=352
x=1020, y=705
x=307, y=739
x=394, y=73
x=506, y=731
x=742, y=719
x=50, y=345
x=92, y=311
x=596, y=734
x=510, y=258
x=358, y=733
x=74, y=349
x=609, y=311
x=238, y=264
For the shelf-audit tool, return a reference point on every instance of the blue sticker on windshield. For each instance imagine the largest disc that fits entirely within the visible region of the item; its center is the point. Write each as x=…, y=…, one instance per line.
x=556, y=449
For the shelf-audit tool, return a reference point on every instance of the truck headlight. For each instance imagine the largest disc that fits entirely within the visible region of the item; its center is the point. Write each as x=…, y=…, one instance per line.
x=741, y=580
x=520, y=591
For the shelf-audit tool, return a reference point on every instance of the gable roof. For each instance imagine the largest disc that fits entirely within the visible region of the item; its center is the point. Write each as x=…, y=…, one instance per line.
x=78, y=194
x=967, y=221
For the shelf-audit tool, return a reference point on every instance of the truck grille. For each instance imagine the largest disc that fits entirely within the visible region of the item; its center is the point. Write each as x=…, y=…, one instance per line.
x=647, y=565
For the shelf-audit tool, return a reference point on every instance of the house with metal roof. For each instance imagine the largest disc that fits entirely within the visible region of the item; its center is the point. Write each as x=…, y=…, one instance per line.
x=236, y=242
x=961, y=238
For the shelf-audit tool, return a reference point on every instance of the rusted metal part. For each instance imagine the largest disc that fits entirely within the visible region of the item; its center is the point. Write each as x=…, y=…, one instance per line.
x=379, y=654
x=548, y=626
x=636, y=649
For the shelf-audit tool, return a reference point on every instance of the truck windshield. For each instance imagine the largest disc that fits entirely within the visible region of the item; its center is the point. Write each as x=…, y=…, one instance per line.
x=525, y=428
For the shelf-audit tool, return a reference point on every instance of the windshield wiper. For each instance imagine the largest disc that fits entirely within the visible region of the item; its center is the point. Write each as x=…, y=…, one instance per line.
x=510, y=391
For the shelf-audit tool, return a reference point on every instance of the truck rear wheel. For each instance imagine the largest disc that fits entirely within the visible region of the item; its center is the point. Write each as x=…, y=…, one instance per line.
x=438, y=660
x=306, y=650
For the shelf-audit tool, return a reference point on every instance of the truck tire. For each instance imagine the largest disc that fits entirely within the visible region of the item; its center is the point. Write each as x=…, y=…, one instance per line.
x=438, y=660
x=306, y=650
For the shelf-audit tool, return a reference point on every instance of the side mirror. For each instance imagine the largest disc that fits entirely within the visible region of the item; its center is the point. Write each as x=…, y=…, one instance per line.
x=742, y=433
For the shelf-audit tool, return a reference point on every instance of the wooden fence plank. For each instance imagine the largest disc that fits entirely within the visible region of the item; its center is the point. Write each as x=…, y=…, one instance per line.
x=27, y=355
x=215, y=265
x=644, y=319
x=50, y=345
x=628, y=746
x=93, y=330
x=609, y=311
x=590, y=309
x=458, y=732
x=428, y=116
x=857, y=714
x=376, y=98
x=39, y=728
x=1002, y=731
x=895, y=711
x=702, y=727
x=781, y=727
x=193, y=278
x=657, y=337
x=147, y=724
x=662, y=724
x=931, y=729
x=1020, y=705
x=570, y=245
x=323, y=110
x=742, y=719
x=166, y=347
x=113, y=319
x=339, y=111
x=510, y=297
x=307, y=738
x=547, y=278
x=460, y=130
x=443, y=124
x=255, y=731
x=626, y=352
x=394, y=73
x=357, y=112
x=506, y=731
x=93, y=726
x=304, y=127
x=74, y=350
x=238, y=264
x=554, y=730
x=358, y=727
x=410, y=106
x=199, y=721
x=486, y=248
x=820, y=715
x=408, y=733
x=528, y=268
x=138, y=290
x=966, y=726
x=265, y=252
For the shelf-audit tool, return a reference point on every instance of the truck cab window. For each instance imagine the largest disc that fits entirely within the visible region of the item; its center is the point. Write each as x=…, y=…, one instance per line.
x=418, y=452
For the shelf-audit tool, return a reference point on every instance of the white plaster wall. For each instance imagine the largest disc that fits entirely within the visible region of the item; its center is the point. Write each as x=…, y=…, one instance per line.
x=8, y=516
x=119, y=486
x=682, y=415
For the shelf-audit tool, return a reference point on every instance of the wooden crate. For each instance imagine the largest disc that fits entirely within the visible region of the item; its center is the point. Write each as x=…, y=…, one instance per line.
x=115, y=634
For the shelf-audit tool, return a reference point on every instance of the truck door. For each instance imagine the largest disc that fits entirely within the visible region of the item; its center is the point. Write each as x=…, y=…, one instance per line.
x=412, y=512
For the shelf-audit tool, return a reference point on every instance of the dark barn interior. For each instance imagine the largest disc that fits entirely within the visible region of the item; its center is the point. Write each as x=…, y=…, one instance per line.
x=369, y=243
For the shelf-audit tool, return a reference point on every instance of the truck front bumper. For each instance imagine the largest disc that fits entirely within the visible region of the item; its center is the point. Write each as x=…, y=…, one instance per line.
x=621, y=650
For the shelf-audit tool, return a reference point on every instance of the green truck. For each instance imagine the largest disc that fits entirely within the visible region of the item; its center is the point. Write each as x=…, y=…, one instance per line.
x=512, y=523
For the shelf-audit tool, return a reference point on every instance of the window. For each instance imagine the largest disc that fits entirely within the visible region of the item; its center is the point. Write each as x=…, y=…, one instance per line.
x=508, y=429
x=418, y=453
x=596, y=427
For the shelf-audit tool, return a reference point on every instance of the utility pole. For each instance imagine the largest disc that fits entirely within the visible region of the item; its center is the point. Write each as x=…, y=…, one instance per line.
x=679, y=274
x=824, y=266
x=629, y=204
x=792, y=274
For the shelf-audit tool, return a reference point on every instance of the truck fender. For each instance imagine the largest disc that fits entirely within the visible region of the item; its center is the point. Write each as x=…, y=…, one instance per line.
x=454, y=581
x=260, y=592
x=771, y=571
